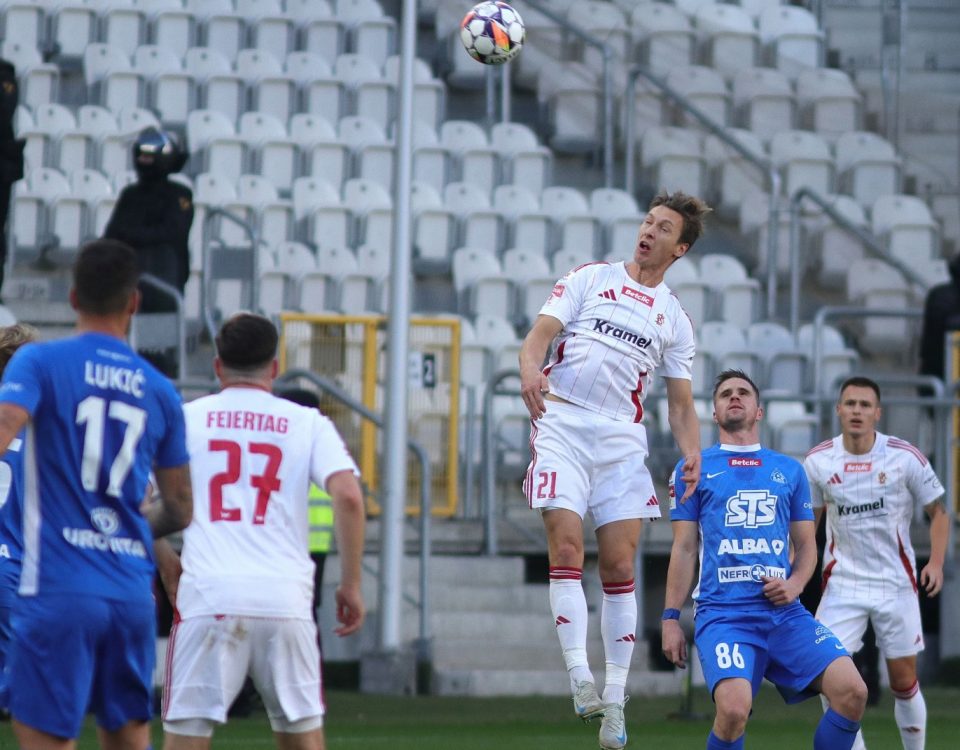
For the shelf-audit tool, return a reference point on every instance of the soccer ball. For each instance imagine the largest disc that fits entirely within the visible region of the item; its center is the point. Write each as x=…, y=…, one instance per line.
x=492, y=32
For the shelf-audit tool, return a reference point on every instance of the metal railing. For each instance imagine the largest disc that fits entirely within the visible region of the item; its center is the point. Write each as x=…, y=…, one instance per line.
x=423, y=646
x=717, y=129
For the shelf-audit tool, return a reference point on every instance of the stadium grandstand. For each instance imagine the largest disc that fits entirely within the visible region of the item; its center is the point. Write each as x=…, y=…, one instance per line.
x=825, y=133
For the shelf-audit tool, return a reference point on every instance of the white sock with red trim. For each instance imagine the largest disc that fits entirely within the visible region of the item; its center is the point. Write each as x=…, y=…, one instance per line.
x=569, y=607
x=618, y=626
x=910, y=711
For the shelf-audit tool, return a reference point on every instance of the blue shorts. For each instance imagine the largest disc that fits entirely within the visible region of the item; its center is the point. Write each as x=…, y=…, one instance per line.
x=8, y=596
x=74, y=652
x=785, y=645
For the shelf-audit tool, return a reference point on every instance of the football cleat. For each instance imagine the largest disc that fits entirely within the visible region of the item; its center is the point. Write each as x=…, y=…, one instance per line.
x=613, y=728
x=586, y=703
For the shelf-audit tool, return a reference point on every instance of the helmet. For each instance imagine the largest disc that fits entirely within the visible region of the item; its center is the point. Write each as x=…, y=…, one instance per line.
x=157, y=153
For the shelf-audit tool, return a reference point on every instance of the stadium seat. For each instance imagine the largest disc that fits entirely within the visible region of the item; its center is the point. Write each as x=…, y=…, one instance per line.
x=372, y=209
x=219, y=87
x=523, y=160
x=704, y=88
x=733, y=178
x=736, y=295
x=728, y=38
x=123, y=27
x=213, y=140
x=867, y=166
x=569, y=95
x=321, y=151
x=566, y=259
x=370, y=31
x=605, y=21
x=474, y=158
x=620, y=217
x=574, y=225
x=906, y=226
x=112, y=80
x=429, y=93
x=319, y=30
x=39, y=81
x=664, y=38
x=496, y=332
x=804, y=160
x=320, y=289
x=784, y=363
x=726, y=346
x=72, y=27
x=792, y=38
x=527, y=225
x=170, y=91
x=369, y=94
x=480, y=283
x=322, y=219
x=876, y=285
x=272, y=152
x=793, y=430
x=828, y=102
x=432, y=162
x=221, y=27
x=270, y=89
x=435, y=230
x=271, y=29
x=533, y=279
x=275, y=216
x=834, y=248
x=672, y=160
x=763, y=101
x=372, y=153
x=836, y=360
x=683, y=278
x=479, y=224
x=172, y=27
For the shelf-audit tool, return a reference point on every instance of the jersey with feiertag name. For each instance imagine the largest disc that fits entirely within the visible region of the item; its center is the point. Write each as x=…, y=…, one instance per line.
x=744, y=503
x=615, y=333
x=253, y=456
x=101, y=419
x=870, y=500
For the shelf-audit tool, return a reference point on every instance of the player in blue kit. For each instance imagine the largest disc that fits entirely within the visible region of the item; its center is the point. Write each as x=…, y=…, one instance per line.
x=750, y=506
x=11, y=500
x=98, y=419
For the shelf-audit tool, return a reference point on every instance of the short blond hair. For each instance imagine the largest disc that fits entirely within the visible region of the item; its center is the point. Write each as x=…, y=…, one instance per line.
x=12, y=338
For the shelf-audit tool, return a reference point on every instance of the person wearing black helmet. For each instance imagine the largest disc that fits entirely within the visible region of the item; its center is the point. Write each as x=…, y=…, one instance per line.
x=153, y=215
x=11, y=151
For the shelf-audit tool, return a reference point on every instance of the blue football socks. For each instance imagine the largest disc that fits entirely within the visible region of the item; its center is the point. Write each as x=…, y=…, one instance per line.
x=715, y=743
x=835, y=732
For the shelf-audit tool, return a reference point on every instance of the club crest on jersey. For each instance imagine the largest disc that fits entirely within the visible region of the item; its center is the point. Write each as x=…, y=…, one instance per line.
x=661, y=319
x=557, y=291
x=751, y=509
x=105, y=520
x=739, y=463
x=882, y=477
x=778, y=477
x=636, y=294
x=857, y=467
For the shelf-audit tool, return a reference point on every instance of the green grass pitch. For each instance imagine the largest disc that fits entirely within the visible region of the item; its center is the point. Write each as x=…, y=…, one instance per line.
x=376, y=722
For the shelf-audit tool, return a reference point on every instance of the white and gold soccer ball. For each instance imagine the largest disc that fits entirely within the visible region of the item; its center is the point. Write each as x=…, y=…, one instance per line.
x=492, y=33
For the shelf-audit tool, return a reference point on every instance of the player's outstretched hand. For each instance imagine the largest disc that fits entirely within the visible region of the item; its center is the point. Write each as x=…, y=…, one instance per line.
x=931, y=578
x=350, y=610
x=691, y=474
x=532, y=387
x=674, y=643
x=779, y=591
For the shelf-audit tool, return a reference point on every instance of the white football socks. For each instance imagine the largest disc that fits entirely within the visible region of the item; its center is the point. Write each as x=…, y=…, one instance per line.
x=910, y=711
x=569, y=606
x=618, y=627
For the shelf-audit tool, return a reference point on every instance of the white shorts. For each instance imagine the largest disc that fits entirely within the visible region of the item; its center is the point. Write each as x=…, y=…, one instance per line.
x=896, y=622
x=209, y=657
x=584, y=462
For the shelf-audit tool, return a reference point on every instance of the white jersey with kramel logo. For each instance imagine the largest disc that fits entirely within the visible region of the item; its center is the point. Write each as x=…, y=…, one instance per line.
x=252, y=458
x=615, y=333
x=870, y=500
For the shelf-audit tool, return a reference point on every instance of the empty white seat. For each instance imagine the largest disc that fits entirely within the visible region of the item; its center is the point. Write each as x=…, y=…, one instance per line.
x=570, y=94
x=322, y=152
x=320, y=288
x=211, y=136
x=123, y=27
x=664, y=36
x=804, y=160
x=672, y=159
x=272, y=30
x=371, y=32
x=683, y=278
x=434, y=230
x=726, y=346
x=173, y=27
x=272, y=153
x=39, y=81
x=221, y=27
x=480, y=282
x=115, y=84
x=763, y=101
x=373, y=153
x=527, y=225
x=533, y=279
x=735, y=293
x=728, y=37
x=575, y=225
x=72, y=27
x=523, y=160
x=703, y=87
x=794, y=430
x=369, y=93
x=320, y=31
x=567, y=258
x=867, y=166
x=372, y=209
x=907, y=227
x=271, y=89
x=793, y=39
x=479, y=224
x=784, y=362
x=322, y=219
x=833, y=360
x=429, y=93
x=602, y=20
x=879, y=286
x=474, y=159
x=833, y=246
x=733, y=177
x=828, y=101
x=169, y=89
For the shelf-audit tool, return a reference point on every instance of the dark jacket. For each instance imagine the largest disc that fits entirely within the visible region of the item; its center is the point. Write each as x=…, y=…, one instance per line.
x=941, y=313
x=154, y=218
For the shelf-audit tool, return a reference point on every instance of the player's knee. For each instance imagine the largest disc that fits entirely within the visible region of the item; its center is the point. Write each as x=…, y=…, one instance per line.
x=852, y=698
x=616, y=570
x=732, y=719
x=567, y=553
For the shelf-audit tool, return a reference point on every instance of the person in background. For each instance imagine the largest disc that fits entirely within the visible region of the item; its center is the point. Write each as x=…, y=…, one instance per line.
x=870, y=484
x=11, y=152
x=154, y=215
x=749, y=524
x=941, y=313
x=11, y=515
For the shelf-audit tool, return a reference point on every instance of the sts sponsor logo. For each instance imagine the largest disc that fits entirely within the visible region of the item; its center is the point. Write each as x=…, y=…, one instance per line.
x=751, y=509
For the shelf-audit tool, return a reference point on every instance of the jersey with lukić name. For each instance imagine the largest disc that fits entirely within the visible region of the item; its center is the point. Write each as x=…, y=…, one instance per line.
x=253, y=456
x=870, y=499
x=615, y=333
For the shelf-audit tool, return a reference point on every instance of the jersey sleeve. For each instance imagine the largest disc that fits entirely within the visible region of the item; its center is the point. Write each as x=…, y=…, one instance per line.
x=678, y=354
x=22, y=379
x=816, y=491
x=566, y=299
x=686, y=511
x=329, y=454
x=172, y=448
x=801, y=505
x=923, y=482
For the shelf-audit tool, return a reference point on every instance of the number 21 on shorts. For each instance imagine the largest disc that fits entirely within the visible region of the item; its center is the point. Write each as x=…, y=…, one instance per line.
x=546, y=485
x=729, y=657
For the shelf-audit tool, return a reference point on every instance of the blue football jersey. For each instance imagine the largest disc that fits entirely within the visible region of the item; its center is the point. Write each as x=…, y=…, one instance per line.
x=101, y=418
x=11, y=513
x=744, y=504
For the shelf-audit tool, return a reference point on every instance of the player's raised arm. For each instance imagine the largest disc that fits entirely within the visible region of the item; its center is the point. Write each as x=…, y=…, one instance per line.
x=349, y=521
x=683, y=565
x=686, y=430
x=533, y=383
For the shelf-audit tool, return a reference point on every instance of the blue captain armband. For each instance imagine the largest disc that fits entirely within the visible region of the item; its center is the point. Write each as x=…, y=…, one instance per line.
x=670, y=614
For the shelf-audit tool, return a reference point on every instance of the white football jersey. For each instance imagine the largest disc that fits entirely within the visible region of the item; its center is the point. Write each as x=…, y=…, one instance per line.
x=870, y=501
x=615, y=333
x=252, y=458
